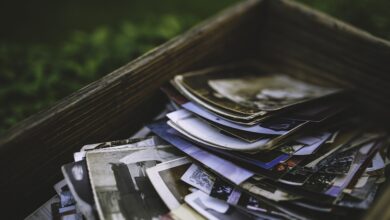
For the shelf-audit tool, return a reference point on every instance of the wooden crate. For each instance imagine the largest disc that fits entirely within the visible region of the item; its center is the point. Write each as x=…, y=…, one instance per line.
x=280, y=35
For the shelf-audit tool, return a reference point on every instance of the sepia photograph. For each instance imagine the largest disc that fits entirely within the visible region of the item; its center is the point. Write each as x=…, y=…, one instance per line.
x=195, y=110
x=251, y=92
x=223, y=111
x=257, y=128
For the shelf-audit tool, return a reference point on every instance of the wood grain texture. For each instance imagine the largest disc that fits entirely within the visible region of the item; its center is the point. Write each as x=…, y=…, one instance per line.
x=280, y=35
x=32, y=152
x=310, y=44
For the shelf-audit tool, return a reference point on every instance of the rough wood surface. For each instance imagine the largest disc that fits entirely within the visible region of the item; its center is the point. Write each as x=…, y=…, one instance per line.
x=303, y=41
x=31, y=153
x=310, y=44
x=281, y=35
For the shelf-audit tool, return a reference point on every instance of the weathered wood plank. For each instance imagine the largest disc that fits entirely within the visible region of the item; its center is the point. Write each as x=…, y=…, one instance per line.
x=311, y=44
x=31, y=153
x=282, y=36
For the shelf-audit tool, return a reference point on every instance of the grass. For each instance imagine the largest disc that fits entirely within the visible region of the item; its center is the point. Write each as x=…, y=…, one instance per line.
x=36, y=73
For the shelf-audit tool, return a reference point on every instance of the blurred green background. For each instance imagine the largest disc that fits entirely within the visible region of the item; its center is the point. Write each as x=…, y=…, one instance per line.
x=49, y=49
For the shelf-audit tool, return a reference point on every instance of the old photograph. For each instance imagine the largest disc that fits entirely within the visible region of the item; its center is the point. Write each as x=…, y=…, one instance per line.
x=120, y=185
x=165, y=178
x=225, y=168
x=251, y=92
x=77, y=179
x=191, y=126
x=214, y=209
x=199, y=178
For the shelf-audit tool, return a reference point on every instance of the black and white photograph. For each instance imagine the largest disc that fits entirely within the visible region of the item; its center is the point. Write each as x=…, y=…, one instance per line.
x=215, y=209
x=195, y=110
x=221, y=166
x=77, y=179
x=199, y=178
x=125, y=143
x=191, y=126
x=120, y=184
x=166, y=179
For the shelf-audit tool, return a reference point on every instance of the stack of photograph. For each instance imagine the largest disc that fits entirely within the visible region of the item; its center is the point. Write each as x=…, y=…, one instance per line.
x=233, y=142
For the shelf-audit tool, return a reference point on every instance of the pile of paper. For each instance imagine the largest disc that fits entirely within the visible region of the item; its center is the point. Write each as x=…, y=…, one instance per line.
x=236, y=144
